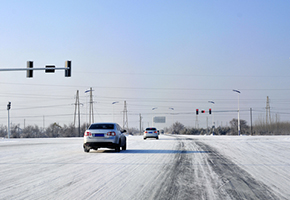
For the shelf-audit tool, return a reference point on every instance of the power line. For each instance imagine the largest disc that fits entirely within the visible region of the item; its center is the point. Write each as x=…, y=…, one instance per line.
x=149, y=88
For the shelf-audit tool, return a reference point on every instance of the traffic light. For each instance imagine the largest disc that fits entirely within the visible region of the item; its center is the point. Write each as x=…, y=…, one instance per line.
x=202, y=111
x=67, y=71
x=196, y=111
x=49, y=69
x=9, y=105
x=29, y=73
x=209, y=111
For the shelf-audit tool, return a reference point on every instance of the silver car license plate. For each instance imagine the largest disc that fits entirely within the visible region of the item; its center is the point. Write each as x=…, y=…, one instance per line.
x=98, y=135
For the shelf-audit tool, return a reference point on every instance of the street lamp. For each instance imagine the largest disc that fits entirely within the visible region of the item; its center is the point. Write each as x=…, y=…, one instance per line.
x=239, y=125
x=170, y=108
x=113, y=109
x=153, y=116
x=212, y=118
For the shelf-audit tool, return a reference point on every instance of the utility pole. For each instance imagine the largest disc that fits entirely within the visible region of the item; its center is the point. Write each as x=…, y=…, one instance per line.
x=268, y=115
x=207, y=129
x=125, y=117
x=140, y=123
x=43, y=122
x=251, y=121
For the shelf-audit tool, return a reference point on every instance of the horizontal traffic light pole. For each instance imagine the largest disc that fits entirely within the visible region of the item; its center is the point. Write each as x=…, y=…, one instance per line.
x=31, y=69
x=47, y=68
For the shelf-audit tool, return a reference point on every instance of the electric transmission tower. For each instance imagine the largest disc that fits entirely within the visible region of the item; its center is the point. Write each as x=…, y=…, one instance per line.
x=77, y=107
x=268, y=114
x=91, y=110
x=125, y=117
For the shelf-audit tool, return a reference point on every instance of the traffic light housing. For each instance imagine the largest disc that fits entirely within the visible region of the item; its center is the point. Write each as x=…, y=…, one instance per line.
x=29, y=73
x=202, y=111
x=196, y=111
x=67, y=71
x=9, y=105
x=49, y=69
x=209, y=111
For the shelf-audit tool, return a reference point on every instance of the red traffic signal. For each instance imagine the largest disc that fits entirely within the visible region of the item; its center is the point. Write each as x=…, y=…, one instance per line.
x=209, y=111
x=202, y=111
x=196, y=111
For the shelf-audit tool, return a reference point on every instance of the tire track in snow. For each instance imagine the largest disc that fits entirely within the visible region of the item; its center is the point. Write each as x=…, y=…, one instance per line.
x=198, y=171
x=236, y=182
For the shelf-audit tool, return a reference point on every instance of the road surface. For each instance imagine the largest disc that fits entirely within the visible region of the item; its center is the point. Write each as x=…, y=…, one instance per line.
x=173, y=167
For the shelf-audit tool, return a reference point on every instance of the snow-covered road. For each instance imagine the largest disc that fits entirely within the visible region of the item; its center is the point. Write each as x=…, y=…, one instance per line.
x=173, y=167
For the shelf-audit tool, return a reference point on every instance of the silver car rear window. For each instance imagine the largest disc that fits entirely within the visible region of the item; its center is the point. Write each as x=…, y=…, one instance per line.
x=101, y=126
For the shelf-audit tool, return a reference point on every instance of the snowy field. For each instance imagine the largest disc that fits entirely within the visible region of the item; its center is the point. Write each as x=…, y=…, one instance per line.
x=173, y=167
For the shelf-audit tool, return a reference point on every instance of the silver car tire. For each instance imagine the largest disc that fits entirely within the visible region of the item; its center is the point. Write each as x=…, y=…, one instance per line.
x=117, y=148
x=124, y=147
x=86, y=149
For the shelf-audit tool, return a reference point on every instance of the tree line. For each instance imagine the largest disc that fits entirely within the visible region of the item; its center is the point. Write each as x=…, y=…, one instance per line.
x=260, y=128
x=34, y=131
x=56, y=130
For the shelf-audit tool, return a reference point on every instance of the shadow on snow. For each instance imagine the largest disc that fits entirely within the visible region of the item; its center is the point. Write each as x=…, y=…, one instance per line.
x=150, y=151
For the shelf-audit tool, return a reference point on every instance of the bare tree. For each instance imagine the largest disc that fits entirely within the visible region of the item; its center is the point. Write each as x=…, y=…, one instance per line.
x=234, y=126
x=177, y=127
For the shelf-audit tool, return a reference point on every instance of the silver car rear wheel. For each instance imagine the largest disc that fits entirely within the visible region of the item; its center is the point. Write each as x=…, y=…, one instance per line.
x=124, y=147
x=86, y=149
x=117, y=148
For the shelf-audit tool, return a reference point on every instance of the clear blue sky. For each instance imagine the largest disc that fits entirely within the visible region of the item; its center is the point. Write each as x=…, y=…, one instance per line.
x=162, y=54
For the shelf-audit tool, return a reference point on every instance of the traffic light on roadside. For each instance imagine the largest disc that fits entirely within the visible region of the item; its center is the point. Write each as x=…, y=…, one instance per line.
x=209, y=111
x=9, y=105
x=196, y=111
x=29, y=73
x=202, y=111
x=67, y=71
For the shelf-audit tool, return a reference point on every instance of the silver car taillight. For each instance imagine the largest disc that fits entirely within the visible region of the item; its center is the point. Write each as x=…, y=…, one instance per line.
x=111, y=133
x=88, y=133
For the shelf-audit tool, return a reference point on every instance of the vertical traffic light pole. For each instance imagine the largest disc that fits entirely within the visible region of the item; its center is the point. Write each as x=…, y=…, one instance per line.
x=212, y=117
x=8, y=127
x=196, y=120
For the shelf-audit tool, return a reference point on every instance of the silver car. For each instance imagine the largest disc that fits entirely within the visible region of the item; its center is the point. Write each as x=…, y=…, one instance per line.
x=107, y=135
x=150, y=132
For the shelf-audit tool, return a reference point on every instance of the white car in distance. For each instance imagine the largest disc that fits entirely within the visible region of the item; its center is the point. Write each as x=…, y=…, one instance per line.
x=150, y=132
